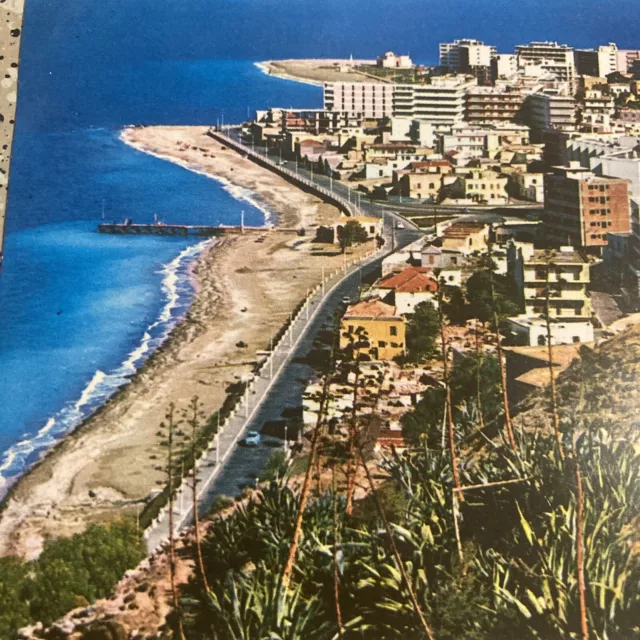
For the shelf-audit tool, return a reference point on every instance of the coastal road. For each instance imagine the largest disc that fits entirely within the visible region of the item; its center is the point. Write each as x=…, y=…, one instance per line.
x=227, y=466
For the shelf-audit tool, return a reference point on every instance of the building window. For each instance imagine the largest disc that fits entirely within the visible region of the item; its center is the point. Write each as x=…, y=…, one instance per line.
x=393, y=331
x=382, y=344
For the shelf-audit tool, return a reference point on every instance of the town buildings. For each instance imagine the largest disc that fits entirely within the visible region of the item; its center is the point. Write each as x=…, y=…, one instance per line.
x=555, y=58
x=376, y=328
x=581, y=208
x=551, y=281
x=490, y=105
x=406, y=289
x=364, y=99
x=391, y=61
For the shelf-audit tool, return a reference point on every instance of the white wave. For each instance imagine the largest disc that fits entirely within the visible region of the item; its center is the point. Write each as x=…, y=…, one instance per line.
x=176, y=279
x=235, y=191
x=47, y=427
x=90, y=389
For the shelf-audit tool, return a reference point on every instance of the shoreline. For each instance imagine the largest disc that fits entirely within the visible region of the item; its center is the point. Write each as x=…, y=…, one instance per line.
x=267, y=68
x=245, y=291
x=104, y=384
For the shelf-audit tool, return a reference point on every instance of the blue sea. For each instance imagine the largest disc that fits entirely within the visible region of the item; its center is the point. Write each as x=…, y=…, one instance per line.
x=80, y=311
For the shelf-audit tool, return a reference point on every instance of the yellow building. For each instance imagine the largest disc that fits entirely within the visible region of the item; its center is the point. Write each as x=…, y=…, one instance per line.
x=381, y=330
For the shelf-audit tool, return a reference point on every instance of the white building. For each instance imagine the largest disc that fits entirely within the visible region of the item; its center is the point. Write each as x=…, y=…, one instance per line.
x=474, y=50
x=440, y=102
x=531, y=331
x=505, y=65
x=364, y=99
x=551, y=109
x=391, y=61
x=556, y=58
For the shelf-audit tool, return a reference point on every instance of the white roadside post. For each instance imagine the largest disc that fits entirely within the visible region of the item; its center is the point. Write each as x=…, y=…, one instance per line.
x=271, y=359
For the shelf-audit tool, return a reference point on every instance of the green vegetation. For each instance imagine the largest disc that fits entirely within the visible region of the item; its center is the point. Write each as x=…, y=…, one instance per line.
x=427, y=419
x=422, y=332
x=69, y=573
x=352, y=233
x=480, y=300
x=512, y=575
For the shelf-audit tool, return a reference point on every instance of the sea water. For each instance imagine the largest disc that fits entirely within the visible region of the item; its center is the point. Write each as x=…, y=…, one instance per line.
x=79, y=312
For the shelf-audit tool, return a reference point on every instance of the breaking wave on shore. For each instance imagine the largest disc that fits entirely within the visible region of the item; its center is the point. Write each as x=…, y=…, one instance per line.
x=178, y=290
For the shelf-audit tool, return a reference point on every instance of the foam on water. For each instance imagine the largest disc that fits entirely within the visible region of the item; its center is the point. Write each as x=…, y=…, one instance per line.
x=177, y=290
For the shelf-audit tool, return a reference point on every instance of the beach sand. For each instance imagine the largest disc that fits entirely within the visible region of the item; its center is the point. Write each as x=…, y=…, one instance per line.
x=245, y=292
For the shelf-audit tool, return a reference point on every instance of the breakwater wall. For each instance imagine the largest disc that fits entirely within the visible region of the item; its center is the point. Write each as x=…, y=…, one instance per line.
x=346, y=207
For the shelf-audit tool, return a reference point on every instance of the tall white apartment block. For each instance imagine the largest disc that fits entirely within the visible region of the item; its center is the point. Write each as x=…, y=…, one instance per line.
x=442, y=101
x=367, y=100
x=598, y=62
x=474, y=50
x=505, y=65
x=558, y=59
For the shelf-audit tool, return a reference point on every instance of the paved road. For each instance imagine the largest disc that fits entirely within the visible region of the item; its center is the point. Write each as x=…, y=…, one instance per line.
x=227, y=466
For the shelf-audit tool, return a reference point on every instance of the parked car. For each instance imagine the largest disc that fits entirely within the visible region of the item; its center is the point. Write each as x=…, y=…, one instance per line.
x=399, y=225
x=252, y=439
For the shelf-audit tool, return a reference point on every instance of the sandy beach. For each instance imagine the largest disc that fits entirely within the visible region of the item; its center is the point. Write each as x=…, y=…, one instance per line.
x=245, y=292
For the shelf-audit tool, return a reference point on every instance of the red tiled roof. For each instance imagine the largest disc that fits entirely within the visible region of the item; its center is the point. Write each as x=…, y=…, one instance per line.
x=409, y=280
x=371, y=309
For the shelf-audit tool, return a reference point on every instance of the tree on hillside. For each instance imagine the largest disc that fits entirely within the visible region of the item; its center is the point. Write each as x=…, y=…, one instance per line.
x=428, y=414
x=422, y=331
x=352, y=233
x=481, y=305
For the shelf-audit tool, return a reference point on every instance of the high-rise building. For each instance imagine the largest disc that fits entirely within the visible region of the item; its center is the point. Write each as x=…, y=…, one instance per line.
x=368, y=100
x=485, y=105
x=626, y=58
x=598, y=62
x=580, y=208
x=553, y=57
x=551, y=109
x=476, y=53
x=441, y=101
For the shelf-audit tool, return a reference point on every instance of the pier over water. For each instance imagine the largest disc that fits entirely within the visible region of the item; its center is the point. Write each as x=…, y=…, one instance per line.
x=128, y=228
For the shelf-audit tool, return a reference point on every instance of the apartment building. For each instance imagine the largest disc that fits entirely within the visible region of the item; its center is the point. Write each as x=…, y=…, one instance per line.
x=626, y=58
x=561, y=274
x=528, y=186
x=442, y=101
x=364, y=99
x=422, y=180
x=596, y=110
x=598, y=62
x=485, y=187
x=467, y=52
x=555, y=58
x=581, y=208
x=486, y=105
x=551, y=109
x=504, y=66
x=478, y=142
